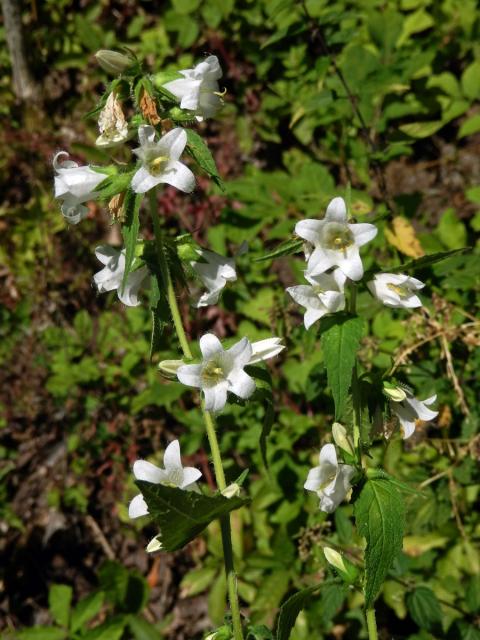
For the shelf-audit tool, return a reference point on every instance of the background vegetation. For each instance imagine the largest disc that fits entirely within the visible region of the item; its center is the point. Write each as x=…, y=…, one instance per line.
x=379, y=95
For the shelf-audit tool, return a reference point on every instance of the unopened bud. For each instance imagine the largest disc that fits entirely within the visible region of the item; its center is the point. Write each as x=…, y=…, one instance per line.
x=394, y=392
x=347, y=571
x=232, y=490
x=341, y=438
x=168, y=368
x=113, y=62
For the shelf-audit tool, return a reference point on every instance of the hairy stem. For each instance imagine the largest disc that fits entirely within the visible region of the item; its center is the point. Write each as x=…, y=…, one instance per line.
x=207, y=418
x=371, y=624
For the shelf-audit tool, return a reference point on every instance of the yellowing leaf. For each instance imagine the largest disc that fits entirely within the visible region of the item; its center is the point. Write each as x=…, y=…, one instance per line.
x=414, y=546
x=402, y=236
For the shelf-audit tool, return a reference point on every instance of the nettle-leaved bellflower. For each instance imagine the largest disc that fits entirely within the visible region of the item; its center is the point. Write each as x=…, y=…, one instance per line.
x=110, y=278
x=336, y=242
x=160, y=161
x=215, y=271
x=330, y=480
x=396, y=290
x=75, y=185
x=222, y=370
x=198, y=90
x=325, y=294
x=174, y=475
x=112, y=124
x=409, y=410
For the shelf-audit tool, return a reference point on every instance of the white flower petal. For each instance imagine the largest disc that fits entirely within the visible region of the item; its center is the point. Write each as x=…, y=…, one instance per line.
x=352, y=265
x=312, y=315
x=210, y=346
x=313, y=481
x=310, y=230
x=143, y=180
x=216, y=397
x=265, y=349
x=328, y=455
x=337, y=210
x=144, y=470
x=171, y=458
x=129, y=295
x=190, y=476
x=363, y=233
x=172, y=143
x=190, y=375
x=137, y=507
x=319, y=262
x=178, y=175
x=241, y=384
x=240, y=353
x=146, y=134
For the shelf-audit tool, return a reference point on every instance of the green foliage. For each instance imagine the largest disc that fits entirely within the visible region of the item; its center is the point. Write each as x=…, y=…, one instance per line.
x=183, y=515
x=130, y=229
x=380, y=518
x=424, y=608
x=202, y=155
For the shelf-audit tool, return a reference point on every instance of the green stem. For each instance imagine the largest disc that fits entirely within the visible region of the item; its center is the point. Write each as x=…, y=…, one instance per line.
x=371, y=624
x=207, y=418
x=165, y=273
x=357, y=405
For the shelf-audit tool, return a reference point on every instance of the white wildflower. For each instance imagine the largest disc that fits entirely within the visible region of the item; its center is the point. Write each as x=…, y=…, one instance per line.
x=112, y=124
x=396, y=290
x=214, y=271
x=110, y=278
x=325, y=294
x=330, y=480
x=409, y=410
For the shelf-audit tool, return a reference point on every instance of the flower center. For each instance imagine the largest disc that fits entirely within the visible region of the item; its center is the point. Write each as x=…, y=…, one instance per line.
x=337, y=237
x=212, y=374
x=401, y=290
x=157, y=165
x=175, y=478
x=328, y=479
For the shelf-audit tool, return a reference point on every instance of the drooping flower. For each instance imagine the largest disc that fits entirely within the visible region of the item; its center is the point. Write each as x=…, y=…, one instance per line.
x=215, y=271
x=111, y=276
x=336, y=242
x=75, y=185
x=198, y=90
x=330, y=480
x=409, y=410
x=266, y=349
x=174, y=475
x=324, y=294
x=220, y=371
x=112, y=124
x=396, y=290
x=160, y=161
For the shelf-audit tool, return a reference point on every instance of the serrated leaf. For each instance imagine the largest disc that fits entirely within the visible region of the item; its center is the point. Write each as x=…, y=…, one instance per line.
x=287, y=248
x=183, y=515
x=202, y=155
x=59, y=600
x=380, y=519
x=340, y=340
x=112, y=185
x=424, y=607
x=85, y=610
x=130, y=228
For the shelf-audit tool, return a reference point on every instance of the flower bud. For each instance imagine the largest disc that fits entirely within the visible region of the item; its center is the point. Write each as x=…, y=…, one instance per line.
x=168, y=368
x=347, y=571
x=112, y=61
x=341, y=438
x=394, y=392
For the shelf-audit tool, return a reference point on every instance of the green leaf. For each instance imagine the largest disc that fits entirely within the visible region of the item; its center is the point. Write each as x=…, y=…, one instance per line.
x=451, y=230
x=340, y=341
x=380, y=518
x=130, y=228
x=421, y=129
x=263, y=393
x=85, y=610
x=470, y=126
x=183, y=515
x=42, y=633
x=470, y=83
x=112, y=185
x=143, y=630
x=59, y=600
x=287, y=248
x=427, y=261
x=290, y=609
x=424, y=608
x=202, y=155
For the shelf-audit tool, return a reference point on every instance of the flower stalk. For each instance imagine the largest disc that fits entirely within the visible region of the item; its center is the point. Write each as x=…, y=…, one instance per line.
x=207, y=417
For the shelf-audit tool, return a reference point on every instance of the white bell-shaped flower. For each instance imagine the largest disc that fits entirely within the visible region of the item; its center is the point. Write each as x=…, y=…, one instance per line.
x=74, y=185
x=266, y=349
x=160, y=161
x=220, y=371
x=324, y=294
x=214, y=271
x=110, y=278
x=330, y=480
x=396, y=290
x=198, y=90
x=336, y=242
x=173, y=475
x=409, y=410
